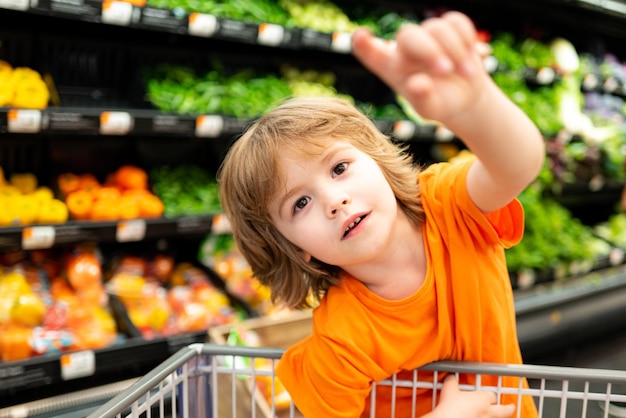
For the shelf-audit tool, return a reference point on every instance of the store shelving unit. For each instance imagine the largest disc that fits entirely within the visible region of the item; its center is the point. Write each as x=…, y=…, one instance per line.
x=107, y=120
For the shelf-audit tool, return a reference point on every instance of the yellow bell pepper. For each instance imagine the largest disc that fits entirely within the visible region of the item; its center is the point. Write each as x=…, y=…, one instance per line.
x=52, y=211
x=25, y=182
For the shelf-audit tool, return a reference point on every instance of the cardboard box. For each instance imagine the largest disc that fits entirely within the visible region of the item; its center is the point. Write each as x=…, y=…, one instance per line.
x=277, y=331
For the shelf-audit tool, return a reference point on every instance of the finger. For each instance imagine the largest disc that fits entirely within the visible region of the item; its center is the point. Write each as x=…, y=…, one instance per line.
x=373, y=52
x=502, y=411
x=466, y=34
x=448, y=40
x=464, y=27
x=419, y=48
x=450, y=385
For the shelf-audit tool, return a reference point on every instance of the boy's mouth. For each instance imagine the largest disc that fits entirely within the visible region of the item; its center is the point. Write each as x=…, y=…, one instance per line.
x=353, y=224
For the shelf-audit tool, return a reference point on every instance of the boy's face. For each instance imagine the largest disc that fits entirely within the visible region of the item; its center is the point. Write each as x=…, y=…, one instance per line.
x=336, y=207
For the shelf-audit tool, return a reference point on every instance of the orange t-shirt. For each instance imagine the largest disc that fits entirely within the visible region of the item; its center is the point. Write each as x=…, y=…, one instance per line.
x=463, y=311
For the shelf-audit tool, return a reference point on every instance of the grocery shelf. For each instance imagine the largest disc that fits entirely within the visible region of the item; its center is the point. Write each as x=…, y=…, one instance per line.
x=131, y=230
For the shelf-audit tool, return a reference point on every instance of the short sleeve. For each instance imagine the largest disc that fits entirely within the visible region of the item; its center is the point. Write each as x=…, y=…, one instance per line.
x=444, y=192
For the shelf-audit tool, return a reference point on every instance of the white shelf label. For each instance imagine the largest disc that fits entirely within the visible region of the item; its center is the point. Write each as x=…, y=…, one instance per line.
x=270, y=34
x=117, y=13
x=443, y=134
x=131, y=230
x=115, y=123
x=24, y=120
x=209, y=126
x=545, y=75
x=220, y=225
x=201, y=24
x=14, y=4
x=403, y=129
x=78, y=364
x=38, y=237
x=341, y=42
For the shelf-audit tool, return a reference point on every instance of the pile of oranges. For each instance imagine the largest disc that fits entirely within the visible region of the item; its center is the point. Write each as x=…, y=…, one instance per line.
x=125, y=194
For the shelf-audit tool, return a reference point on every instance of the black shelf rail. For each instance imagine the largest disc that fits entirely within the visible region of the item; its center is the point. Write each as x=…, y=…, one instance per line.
x=33, y=237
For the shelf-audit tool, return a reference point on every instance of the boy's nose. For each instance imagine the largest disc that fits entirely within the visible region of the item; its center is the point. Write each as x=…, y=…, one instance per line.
x=337, y=204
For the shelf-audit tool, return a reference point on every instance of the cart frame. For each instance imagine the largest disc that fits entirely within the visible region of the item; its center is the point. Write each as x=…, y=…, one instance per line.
x=188, y=382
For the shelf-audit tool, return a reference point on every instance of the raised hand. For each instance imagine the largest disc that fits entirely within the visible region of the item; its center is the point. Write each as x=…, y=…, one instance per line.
x=434, y=65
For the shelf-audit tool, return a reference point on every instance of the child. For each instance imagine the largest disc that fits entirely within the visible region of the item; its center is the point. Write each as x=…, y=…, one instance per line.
x=408, y=266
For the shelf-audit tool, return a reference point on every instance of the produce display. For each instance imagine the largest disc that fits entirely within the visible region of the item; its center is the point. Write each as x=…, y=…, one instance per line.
x=220, y=252
x=613, y=229
x=254, y=11
x=51, y=302
x=25, y=202
x=185, y=190
x=59, y=300
x=554, y=240
x=124, y=194
x=22, y=87
x=164, y=298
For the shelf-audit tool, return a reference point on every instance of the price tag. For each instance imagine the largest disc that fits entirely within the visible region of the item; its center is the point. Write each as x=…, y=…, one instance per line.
x=78, y=364
x=38, y=237
x=616, y=256
x=209, y=126
x=220, y=225
x=545, y=75
x=443, y=134
x=610, y=85
x=201, y=24
x=117, y=12
x=14, y=4
x=131, y=230
x=491, y=64
x=590, y=82
x=403, y=129
x=115, y=123
x=341, y=42
x=24, y=120
x=270, y=34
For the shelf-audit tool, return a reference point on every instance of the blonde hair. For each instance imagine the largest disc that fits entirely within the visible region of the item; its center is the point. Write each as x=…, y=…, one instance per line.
x=249, y=179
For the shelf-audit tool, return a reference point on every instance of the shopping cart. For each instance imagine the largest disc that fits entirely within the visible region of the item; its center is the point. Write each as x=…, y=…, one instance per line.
x=219, y=381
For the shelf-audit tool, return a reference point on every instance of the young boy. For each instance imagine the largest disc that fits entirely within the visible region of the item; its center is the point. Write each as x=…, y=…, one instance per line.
x=408, y=266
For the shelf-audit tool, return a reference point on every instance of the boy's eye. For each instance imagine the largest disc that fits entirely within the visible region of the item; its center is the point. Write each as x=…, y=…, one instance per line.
x=301, y=203
x=340, y=168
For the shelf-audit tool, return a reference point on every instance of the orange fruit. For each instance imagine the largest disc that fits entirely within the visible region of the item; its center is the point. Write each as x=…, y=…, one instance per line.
x=150, y=206
x=88, y=182
x=68, y=183
x=79, y=204
x=104, y=210
x=15, y=342
x=84, y=270
x=107, y=192
x=131, y=177
x=128, y=207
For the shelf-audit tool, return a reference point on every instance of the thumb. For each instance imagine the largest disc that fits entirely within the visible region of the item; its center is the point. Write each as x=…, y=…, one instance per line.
x=450, y=385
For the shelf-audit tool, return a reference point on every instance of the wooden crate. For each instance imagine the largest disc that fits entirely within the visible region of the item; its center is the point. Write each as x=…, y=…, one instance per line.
x=277, y=331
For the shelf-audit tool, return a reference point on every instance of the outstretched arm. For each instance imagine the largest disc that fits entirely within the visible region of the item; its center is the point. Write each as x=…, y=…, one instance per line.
x=478, y=404
x=436, y=67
